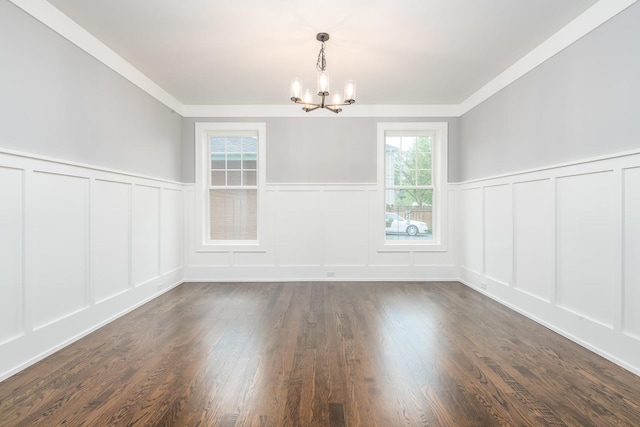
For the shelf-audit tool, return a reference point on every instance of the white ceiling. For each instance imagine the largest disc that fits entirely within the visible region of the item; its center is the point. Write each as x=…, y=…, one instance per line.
x=245, y=52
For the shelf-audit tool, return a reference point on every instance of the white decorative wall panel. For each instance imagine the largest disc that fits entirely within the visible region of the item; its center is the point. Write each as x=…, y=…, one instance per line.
x=425, y=259
x=298, y=228
x=389, y=259
x=576, y=249
x=345, y=227
x=253, y=259
x=498, y=233
x=146, y=230
x=57, y=242
x=110, y=242
x=471, y=222
x=66, y=234
x=11, y=226
x=534, y=245
x=586, y=245
x=631, y=292
x=171, y=244
x=210, y=259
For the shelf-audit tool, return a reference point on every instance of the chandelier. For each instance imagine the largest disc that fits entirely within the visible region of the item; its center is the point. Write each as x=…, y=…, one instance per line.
x=336, y=102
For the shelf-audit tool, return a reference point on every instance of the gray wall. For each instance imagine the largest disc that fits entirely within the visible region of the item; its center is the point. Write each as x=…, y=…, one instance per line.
x=584, y=102
x=57, y=101
x=315, y=150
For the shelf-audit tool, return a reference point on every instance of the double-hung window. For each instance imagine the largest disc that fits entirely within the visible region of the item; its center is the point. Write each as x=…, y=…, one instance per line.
x=230, y=179
x=412, y=174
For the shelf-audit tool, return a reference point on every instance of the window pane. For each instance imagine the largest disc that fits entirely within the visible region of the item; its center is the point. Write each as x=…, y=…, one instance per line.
x=218, y=161
x=405, y=177
x=422, y=144
x=408, y=214
x=233, y=214
x=234, y=178
x=408, y=143
x=249, y=144
x=408, y=160
x=249, y=178
x=233, y=144
x=233, y=163
x=424, y=177
x=422, y=160
x=392, y=143
x=249, y=161
x=218, y=178
x=218, y=144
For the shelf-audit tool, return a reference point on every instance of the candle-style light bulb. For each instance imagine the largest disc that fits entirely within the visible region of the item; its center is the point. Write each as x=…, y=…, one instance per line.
x=323, y=83
x=307, y=97
x=296, y=89
x=350, y=91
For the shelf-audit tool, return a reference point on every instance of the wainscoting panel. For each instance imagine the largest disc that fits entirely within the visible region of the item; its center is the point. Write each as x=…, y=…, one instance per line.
x=498, y=233
x=253, y=259
x=631, y=292
x=471, y=232
x=146, y=234
x=66, y=258
x=390, y=259
x=171, y=236
x=586, y=243
x=57, y=245
x=345, y=220
x=575, y=249
x=298, y=225
x=534, y=226
x=11, y=228
x=110, y=243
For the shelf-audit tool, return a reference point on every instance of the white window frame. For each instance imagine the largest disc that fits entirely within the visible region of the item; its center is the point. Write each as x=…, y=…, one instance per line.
x=203, y=132
x=439, y=133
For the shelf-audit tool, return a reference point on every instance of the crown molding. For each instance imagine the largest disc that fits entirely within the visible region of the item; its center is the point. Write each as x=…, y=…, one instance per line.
x=592, y=18
x=290, y=110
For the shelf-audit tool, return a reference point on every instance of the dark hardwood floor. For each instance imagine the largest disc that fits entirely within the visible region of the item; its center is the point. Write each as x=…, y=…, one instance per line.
x=322, y=354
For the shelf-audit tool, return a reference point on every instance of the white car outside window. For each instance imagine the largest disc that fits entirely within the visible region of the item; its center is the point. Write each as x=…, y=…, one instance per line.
x=397, y=224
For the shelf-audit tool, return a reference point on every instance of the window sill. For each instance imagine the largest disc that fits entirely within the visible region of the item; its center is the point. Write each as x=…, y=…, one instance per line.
x=410, y=249
x=231, y=247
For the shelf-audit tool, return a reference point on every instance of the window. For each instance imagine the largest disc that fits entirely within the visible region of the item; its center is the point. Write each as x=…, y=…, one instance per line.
x=230, y=176
x=412, y=174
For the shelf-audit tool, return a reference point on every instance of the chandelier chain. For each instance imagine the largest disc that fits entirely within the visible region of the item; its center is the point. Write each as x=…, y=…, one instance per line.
x=321, y=64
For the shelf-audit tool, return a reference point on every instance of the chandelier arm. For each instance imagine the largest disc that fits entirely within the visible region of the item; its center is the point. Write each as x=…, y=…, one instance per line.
x=348, y=102
x=300, y=101
x=311, y=109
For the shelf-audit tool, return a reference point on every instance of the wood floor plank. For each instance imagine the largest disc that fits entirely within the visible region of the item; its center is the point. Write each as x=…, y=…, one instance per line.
x=322, y=354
